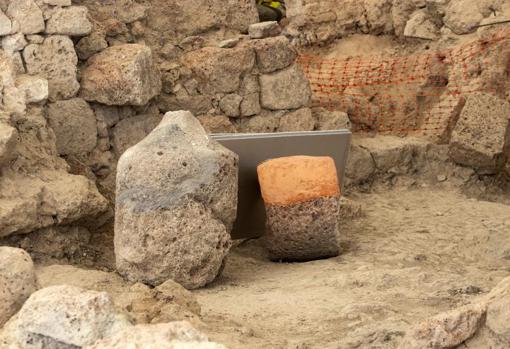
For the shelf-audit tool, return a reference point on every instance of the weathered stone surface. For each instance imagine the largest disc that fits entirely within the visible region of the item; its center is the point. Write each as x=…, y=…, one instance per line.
x=250, y=105
x=8, y=140
x=35, y=88
x=175, y=223
x=14, y=42
x=122, y=74
x=421, y=26
x=462, y=16
x=274, y=54
x=65, y=317
x=70, y=21
x=217, y=124
x=229, y=43
x=298, y=120
x=5, y=24
x=91, y=45
x=130, y=131
x=55, y=60
x=301, y=195
x=360, y=165
x=219, y=70
x=230, y=105
x=161, y=336
x=35, y=38
x=26, y=15
x=264, y=29
x=285, y=89
x=331, y=120
x=58, y=2
x=265, y=122
x=478, y=139
x=14, y=100
x=74, y=124
x=17, y=281
x=446, y=330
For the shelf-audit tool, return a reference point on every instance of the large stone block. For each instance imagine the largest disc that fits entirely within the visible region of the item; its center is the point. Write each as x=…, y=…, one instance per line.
x=274, y=54
x=479, y=138
x=285, y=89
x=176, y=203
x=70, y=21
x=17, y=281
x=122, y=74
x=55, y=60
x=74, y=124
x=298, y=120
x=219, y=70
x=301, y=195
x=26, y=16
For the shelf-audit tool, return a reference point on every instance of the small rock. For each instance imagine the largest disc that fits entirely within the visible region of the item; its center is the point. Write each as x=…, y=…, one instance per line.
x=216, y=124
x=130, y=131
x=421, y=26
x=264, y=29
x=14, y=42
x=74, y=124
x=175, y=224
x=27, y=15
x=70, y=21
x=58, y=2
x=360, y=165
x=285, y=89
x=35, y=38
x=8, y=141
x=250, y=105
x=122, y=74
x=298, y=120
x=265, y=122
x=229, y=43
x=230, y=105
x=274, y=54
x=442, y=178
x=34, y=87
x=301, y=196
x=5, y=24
x=17, y=281
x=91, y=45
x=14, y=100
x=331, y=120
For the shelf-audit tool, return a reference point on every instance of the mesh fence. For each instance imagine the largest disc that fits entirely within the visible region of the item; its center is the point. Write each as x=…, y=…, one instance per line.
x=413, y=94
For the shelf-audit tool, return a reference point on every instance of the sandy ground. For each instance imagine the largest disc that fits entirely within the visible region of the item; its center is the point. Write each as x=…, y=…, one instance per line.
x=414, y=253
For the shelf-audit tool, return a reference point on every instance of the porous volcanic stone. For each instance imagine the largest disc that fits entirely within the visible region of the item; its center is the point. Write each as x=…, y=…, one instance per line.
x=71, y=21
x=176, y=203
x=301, y=195
x=122, y=74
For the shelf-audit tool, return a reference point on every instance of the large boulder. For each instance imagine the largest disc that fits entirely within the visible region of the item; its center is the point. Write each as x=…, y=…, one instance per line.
x=17, y=281
x=176, y=202
x=285, y=89
x=55, y=60
x=74, y=124
x=479, y=138
x=122, y=74
x=64, y=317
x=161, y=336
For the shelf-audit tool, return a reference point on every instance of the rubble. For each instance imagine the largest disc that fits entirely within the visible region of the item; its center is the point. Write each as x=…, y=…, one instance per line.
x=188, y=218
x=17, y=281
x=301, y=196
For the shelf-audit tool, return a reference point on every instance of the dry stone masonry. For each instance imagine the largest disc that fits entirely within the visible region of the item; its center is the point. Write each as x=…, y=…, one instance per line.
x=176, y=203
x=301, y=195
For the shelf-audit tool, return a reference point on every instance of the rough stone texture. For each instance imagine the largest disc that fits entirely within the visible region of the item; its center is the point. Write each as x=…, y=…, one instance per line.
x=250, y=104
x=130, y=131
x=298, y=120
x=171, y=335
x=74, y=124
x=55, y=60
x=35, y=88
x=230, y=104
x=219, y=70
x=360, y=165
x=478, y=139
x=64, y=317
x=17, y=281
x=217, y=124
x=14, y=100
x=8, y=140
x=90, y=45
x=265, y=122
x=274, y=54
x=446, y=330
x=26, y=15
x=285, y=89
x=462, y=16
x=421, y=26
x=301, y=195
x=122, y=74
x=70, y=21
x=174, y=224
x=58, y=2
x=331, y=120
x=14, y=42
x=5, y=24
x=264, y=29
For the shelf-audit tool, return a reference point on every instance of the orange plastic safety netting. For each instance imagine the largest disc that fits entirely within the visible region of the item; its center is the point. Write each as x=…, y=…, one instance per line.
x=413, y=94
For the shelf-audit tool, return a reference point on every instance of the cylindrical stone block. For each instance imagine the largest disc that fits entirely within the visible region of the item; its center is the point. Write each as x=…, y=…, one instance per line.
x=301, y=195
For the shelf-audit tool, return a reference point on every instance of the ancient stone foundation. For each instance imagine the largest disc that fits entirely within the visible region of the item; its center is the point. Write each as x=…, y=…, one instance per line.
x=301, y=197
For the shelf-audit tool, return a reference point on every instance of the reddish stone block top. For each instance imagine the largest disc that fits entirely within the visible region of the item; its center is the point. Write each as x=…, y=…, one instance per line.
x=294, y=179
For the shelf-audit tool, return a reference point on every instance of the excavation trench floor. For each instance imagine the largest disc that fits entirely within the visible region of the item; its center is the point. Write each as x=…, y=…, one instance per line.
x=413, y=254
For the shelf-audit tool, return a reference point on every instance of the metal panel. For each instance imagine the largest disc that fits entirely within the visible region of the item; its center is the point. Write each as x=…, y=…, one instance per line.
x=258, y=147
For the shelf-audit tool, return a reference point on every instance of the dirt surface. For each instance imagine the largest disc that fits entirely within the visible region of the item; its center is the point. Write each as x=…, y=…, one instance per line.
x=413, y=254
